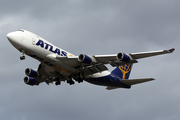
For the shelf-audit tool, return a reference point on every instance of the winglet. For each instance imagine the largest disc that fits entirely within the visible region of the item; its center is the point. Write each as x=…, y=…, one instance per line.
x=171, y=50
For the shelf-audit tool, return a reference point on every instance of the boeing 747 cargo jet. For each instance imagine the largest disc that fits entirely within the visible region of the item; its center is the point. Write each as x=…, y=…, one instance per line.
x=58, y=65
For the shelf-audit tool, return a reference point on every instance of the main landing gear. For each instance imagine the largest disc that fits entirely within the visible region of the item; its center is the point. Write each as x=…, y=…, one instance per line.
x=80, y=77
x=71, y=82
x=22, y=57
x=58, y=82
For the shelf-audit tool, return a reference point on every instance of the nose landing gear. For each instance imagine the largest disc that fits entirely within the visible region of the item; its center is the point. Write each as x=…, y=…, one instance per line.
x=22, y=57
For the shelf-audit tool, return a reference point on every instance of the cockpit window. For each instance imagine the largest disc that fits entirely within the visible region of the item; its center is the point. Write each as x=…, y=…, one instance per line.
x=21, y=30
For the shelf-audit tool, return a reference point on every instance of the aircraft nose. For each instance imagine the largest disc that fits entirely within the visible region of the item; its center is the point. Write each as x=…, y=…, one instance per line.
x=15, y=38
x=11, y=36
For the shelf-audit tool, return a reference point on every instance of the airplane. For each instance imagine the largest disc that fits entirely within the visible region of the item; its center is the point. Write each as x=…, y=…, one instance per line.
x=57, y=65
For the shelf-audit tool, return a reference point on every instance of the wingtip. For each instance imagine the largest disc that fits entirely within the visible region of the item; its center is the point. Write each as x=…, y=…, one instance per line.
x=171, y=50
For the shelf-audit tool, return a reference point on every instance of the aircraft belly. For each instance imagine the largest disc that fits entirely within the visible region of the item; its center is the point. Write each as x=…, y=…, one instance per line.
x=66, y=69
x=55, y=65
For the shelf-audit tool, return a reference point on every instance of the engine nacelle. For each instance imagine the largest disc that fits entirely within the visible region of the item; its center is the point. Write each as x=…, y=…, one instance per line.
x=86, y=59
x=31, y=73
x=30, y=81
x=124, y=57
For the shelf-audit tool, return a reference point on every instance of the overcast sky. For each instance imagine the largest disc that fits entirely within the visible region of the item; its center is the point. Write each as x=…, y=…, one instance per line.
x=93, y=27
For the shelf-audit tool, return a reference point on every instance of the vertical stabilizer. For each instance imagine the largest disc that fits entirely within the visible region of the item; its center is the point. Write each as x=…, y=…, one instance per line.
x=123, y=71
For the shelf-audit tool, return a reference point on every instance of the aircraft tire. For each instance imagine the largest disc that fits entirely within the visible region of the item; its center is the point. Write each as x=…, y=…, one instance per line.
x=22, y=57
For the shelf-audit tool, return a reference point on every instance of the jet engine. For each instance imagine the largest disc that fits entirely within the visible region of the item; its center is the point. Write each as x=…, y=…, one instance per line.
x=30, y=81
x=124, y=57
x=86, y=59
x=31, y=73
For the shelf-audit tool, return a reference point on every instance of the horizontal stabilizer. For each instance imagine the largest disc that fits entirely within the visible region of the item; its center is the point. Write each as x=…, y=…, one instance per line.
x=136, y=81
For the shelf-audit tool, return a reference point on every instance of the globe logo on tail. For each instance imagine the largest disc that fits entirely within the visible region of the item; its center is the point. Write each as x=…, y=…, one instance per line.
x=125, y=69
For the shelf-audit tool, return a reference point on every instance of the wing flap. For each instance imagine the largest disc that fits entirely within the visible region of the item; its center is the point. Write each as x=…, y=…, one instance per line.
x=105, y=58
x=94, y=69
x=136, y=81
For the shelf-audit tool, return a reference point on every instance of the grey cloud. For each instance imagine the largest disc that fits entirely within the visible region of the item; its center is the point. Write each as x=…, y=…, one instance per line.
x=93, y=27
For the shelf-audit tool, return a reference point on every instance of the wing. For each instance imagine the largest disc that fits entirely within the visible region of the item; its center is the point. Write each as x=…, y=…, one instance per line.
x=93, y=64
x=133, y=56
x=150, y=54
x=114, y=59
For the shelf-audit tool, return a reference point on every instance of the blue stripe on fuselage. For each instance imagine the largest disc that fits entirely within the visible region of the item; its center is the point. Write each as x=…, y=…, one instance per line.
x=109, y=80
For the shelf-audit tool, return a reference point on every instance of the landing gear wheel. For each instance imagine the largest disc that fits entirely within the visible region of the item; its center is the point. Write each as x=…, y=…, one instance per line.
x=58, y=83
x=22, y=57
x=71, y=82
x=80, y=80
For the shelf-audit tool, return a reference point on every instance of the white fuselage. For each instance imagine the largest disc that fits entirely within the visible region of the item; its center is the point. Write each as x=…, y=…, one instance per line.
x=38, y=48
x=42, y=50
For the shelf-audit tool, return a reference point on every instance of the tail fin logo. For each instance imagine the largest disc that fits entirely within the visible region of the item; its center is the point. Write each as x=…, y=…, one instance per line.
x=125, y=69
